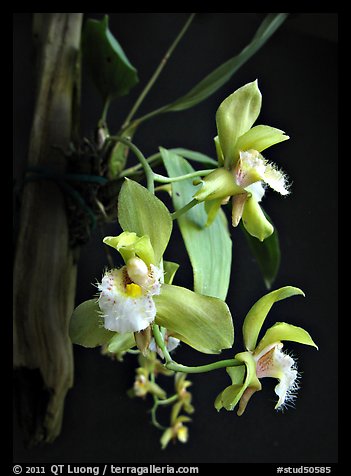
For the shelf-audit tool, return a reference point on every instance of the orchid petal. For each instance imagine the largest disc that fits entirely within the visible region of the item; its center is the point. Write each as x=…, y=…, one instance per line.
x=260, y=138
x=258, y=313
x=283, y=331
x=200, y=321
x=255, y=221
x=130, y=245
x=235, y=116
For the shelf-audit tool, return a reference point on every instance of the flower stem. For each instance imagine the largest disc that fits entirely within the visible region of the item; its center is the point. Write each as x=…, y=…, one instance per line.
x=202, y=368
x=105, y=109
x=154, y=407
x=157, y=72
x=161, y=343
x=171, y=365
x=140, y=156
x=152, y=160
x=184, y=209
x=168, y=401
x=197, y=173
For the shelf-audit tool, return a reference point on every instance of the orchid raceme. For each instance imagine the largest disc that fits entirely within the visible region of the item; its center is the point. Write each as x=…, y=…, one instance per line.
x=265, y=359
x=244, y=173
x=139, y=310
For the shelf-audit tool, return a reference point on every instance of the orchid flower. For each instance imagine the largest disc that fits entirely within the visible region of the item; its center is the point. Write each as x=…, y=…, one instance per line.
x=243, y=172
x=140, y=294
x=265, y=359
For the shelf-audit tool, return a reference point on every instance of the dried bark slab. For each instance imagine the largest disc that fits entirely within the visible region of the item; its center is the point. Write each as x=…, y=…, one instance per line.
x=45, y=265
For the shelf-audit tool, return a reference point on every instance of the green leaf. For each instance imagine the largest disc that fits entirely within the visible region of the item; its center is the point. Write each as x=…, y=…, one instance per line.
x=141, y=212
x=283, y=331
x=202, y=322
x=121, y=343
x=195, y=156
x=258, y=313
x=221, y=75
x=109, y=67
x=209, y=248
x=260, y=138
x=170, y=270
x=266, y=253
x=86, y=325
x=235, y=116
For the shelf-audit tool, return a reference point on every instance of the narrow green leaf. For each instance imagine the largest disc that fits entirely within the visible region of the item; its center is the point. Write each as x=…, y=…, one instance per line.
x=86, y=325
x=195, y=156
x=266, y=253
x=107, y=63
x=258, y=313
x=221, y=75
x=283, y=331
x=141, y=212
x=209, y=248
x=202, y=322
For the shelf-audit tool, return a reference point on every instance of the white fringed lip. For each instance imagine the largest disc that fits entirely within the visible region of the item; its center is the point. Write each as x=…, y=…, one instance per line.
x=125, y=305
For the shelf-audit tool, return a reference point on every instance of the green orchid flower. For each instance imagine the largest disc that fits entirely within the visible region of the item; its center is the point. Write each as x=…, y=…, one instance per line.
x=265, y=359
x=144, y=384
x=243, y=172
x=140, y=294
x=184, y=396
x=177, y=430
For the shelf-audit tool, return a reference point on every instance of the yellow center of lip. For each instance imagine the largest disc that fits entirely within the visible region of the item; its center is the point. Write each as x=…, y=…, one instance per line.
x=133, y=290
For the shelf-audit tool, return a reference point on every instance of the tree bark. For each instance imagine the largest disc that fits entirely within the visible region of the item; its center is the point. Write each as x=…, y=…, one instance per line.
x=45, y=265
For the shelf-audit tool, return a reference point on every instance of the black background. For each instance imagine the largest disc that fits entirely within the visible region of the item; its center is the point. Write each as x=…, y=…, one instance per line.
x=297, y=75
